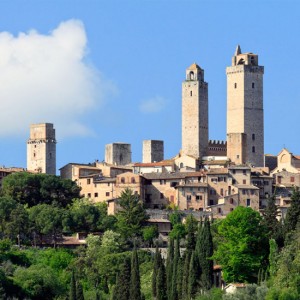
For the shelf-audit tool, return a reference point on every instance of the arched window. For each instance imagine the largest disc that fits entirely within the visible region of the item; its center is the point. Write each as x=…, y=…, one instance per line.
x=192, y=76
x=132, y=180
x=122, y=180
x=181, y=165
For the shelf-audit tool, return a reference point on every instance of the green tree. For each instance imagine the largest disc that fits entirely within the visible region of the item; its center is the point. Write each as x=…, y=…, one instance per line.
x=161, y=291
x=110, y=243
x=73, y=287
x=243, y=249
x=273, y=257
x=135, y=285
x=169, y=267
x=156, y=266
x=185, y=275
x=79, y=291
x=270, y=221
x=33, y=189
x=132, y=215
x=7, y=204
x=193, y=277
x=122, y=287
x=204, y=252
x=177, y=232
x=174, y=289
x=293, y=212
x=149, y=234
x=190, y=228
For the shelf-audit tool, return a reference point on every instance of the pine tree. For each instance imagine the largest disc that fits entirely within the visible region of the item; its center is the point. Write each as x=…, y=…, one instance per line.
x=79, y=291
x=185, y=275
x=161, y=288
x=174, y=292
x=193, y=276
x=73, y=287
x=169, y=267
x=204, y=252
x=293, y=212
x=122, y=287
x=135, y=285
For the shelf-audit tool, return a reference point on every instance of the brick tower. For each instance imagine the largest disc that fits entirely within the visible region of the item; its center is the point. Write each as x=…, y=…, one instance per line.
x=245, y=115
x=194, y=112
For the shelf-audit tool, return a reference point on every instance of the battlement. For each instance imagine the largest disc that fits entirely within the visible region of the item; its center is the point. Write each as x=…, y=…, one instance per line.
x=217, y=148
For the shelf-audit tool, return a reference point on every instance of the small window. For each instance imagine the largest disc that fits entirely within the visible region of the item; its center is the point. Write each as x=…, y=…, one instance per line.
x=244, y=192
x=237, y=156
x=222, y=192
x=253, y=85
x=233, y=181
x=162, y=196
x=233, y=171
x=292, y=179
x=231, y=200
x=96, y=195
x=211, y=202
x=107, y=194
x=89, y=195
x=191, y=93
x=235, y=85
x=88, y=181
x=219, y=210
x=253, y=137
x=188, y=197
x=244, y=172
x=198, y=197
x=244, y=181
x=132, y=180
x=248, y=202
x=122, y=179
x=253, y=149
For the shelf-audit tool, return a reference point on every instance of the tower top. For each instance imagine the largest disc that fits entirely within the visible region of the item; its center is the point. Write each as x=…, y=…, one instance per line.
x=194, y=73
x=237, y=50
x=194, y=66
x=240, y=58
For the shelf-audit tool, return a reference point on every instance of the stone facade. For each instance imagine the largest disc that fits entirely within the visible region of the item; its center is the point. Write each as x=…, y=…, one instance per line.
x=41, y=149
x=153, y=151
x=118, y=154
x=194, y=113
x=245, y=117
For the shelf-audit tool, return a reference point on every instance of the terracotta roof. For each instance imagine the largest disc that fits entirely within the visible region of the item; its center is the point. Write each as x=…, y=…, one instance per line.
x=174, y=175
x=217, y=171
x=158, y=164
x=193, y=184
x=194, y=66
x=248, y=187
x=297, y=156
x=215, y=162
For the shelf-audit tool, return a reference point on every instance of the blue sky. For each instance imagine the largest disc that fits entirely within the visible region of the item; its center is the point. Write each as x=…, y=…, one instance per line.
x=111, y=71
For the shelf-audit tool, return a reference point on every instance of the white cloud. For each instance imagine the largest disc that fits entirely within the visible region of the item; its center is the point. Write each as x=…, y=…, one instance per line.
x=153, y=105
x=44, y=78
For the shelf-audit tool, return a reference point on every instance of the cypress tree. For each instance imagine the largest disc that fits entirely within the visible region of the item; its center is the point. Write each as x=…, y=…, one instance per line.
x=293, y=212
x=193, y=275
x=156, y=265
x=135, y=285
x=185, y=275
x=79, y=291
x=191, y=227
x=73, y=287
x=161, y=287
x=204, y=251
x=169, y=267
x=122, y=287
x=179, y=278
x=259, y=277
x=174, y=292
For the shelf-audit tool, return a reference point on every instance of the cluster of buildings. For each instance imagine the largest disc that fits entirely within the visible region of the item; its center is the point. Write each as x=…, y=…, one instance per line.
x=207, y=175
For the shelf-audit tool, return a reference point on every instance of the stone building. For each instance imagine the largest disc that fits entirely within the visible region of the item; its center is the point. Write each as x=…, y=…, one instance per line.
x=153, y=151
x=118, y=154
x=41, y=149
x=245, y=116
x=194, y=113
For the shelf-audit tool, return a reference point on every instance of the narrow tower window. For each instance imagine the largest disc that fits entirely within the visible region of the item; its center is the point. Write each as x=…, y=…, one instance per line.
x=253, y=85
x=235, y=85
x=253, y=137
x=191, y=75
x=191, y=93
x=253, y=149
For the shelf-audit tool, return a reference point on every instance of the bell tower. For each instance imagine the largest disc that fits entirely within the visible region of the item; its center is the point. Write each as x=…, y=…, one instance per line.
x=245, y=115
x=194, y=113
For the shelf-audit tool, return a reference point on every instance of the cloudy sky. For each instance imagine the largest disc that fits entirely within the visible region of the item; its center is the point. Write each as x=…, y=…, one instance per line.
x=111, y=71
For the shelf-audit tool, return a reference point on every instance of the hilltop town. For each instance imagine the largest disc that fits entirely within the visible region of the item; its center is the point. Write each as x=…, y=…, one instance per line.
x=206, y=176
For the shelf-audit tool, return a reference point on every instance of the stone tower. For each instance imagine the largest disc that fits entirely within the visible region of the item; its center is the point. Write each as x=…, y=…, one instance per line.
x=41, y=149
x=194, y=113
x=153, y=151
x=245, y=115
x=118, y=154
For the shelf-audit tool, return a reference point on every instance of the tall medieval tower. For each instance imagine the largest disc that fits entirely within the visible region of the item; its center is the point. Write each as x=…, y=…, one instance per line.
x=194, y=113
x=41, y=149
x=245, y=115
